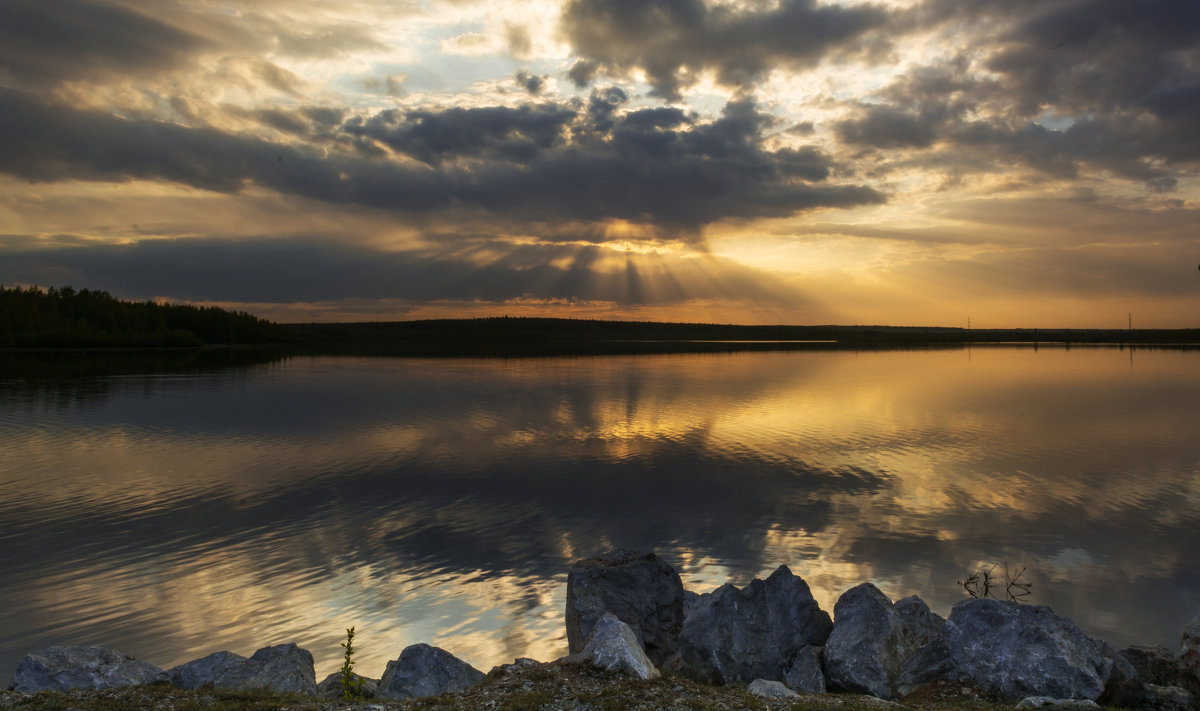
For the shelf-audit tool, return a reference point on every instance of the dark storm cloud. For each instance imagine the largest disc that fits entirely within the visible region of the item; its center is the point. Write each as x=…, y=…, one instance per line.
x=1100, y=54
x=314, y=123
x=46, y=42
x=915, y=108
x=41, y=141
x=322, y=268
x=540, y=163
x=887, y=127
x=285, y=121
x=1070, y=87
x=433, y=137
x=671, y=40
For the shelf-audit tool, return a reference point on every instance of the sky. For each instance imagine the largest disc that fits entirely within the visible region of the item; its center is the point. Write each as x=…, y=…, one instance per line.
x=1002, y=163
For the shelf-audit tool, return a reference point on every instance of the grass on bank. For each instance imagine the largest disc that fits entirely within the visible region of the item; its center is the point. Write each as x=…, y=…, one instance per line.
x=543, y=688
x=156, y=696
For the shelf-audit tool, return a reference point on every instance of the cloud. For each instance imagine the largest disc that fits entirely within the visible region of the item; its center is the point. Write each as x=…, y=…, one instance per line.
x=531, y=83
x=518, y=40
x=1064, y=89
x=434, y=137
x=325, y=267
x=49, y=42
x=469, y=43
x=540, y=163
x=673, y=41
x=1098, y=54
x=328, y=41
x=1095, y=272
x=887, y=127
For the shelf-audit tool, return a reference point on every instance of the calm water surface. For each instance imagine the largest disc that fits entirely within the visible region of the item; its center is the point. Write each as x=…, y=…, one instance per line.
x=173, y=512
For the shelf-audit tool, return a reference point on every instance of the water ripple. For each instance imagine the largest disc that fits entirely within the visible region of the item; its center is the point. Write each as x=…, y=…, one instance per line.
x=442, y=501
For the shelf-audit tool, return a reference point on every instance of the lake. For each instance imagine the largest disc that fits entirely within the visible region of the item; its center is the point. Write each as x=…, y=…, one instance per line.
x=173, y=509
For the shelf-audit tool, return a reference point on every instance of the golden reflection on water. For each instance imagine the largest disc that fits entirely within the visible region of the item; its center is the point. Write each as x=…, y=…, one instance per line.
x=442, y=501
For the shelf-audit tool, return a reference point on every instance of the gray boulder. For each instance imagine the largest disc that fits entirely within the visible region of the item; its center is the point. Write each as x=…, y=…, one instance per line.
x=734, y=635
x=1152, y=664
x=1042, y=702
x=1165, y=698
x=516, y=665
x=331, y=686
x=771, y=689
x=284, y=668
x=1189, y=657
x=209, y=670
x=924, y=624
x=1012, y=651
x=805, y=675
x=1124, y=686
x=613, y=646
x=424, y=670
x=640, y=588
x=60, y=668
x=869, y=644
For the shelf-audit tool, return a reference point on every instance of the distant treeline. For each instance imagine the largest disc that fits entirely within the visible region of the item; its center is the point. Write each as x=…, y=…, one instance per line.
x=66, y=318
x=552, y=336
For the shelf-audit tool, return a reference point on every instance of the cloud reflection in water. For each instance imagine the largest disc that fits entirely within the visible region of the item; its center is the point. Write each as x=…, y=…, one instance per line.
x=442, y=500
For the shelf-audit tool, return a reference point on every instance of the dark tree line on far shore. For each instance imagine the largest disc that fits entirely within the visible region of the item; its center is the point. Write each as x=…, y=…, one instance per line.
x=87, y=318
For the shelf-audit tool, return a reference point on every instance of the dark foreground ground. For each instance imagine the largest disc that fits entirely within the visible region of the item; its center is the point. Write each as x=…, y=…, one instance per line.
x=550, y=687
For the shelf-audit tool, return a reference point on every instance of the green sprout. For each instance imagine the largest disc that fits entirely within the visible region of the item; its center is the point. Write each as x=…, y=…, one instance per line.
x=351, y=687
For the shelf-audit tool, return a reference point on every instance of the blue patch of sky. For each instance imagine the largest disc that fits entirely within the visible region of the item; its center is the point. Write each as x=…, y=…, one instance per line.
x=1055, y=121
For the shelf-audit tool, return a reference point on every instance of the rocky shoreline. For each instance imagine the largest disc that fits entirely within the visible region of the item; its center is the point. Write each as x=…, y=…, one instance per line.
x=631, y=624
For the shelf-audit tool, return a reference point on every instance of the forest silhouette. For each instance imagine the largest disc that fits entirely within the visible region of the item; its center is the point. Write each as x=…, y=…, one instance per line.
x=32, y=318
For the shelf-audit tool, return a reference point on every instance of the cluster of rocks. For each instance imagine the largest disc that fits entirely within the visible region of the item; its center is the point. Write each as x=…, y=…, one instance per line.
x=773, y=636
x=628, y=612
x=421, y=670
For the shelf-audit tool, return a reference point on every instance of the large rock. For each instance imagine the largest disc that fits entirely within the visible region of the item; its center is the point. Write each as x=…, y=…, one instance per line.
x=1134, y=670
x=806, y=675
x=1165, y=698
x=60, y=668
x=424, y=670
x=613, y=646
x=1189, y=657
x=516, y=665
x=209, y=670
x=870, y=642
x=924, y=623
x=933, y=662
x=1152, y=664
x=1124, y=686
x=331, y=686
x=284, y=668
x=689, y=599
x=1012, y=651
x=755, y=632
x=639, y=588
